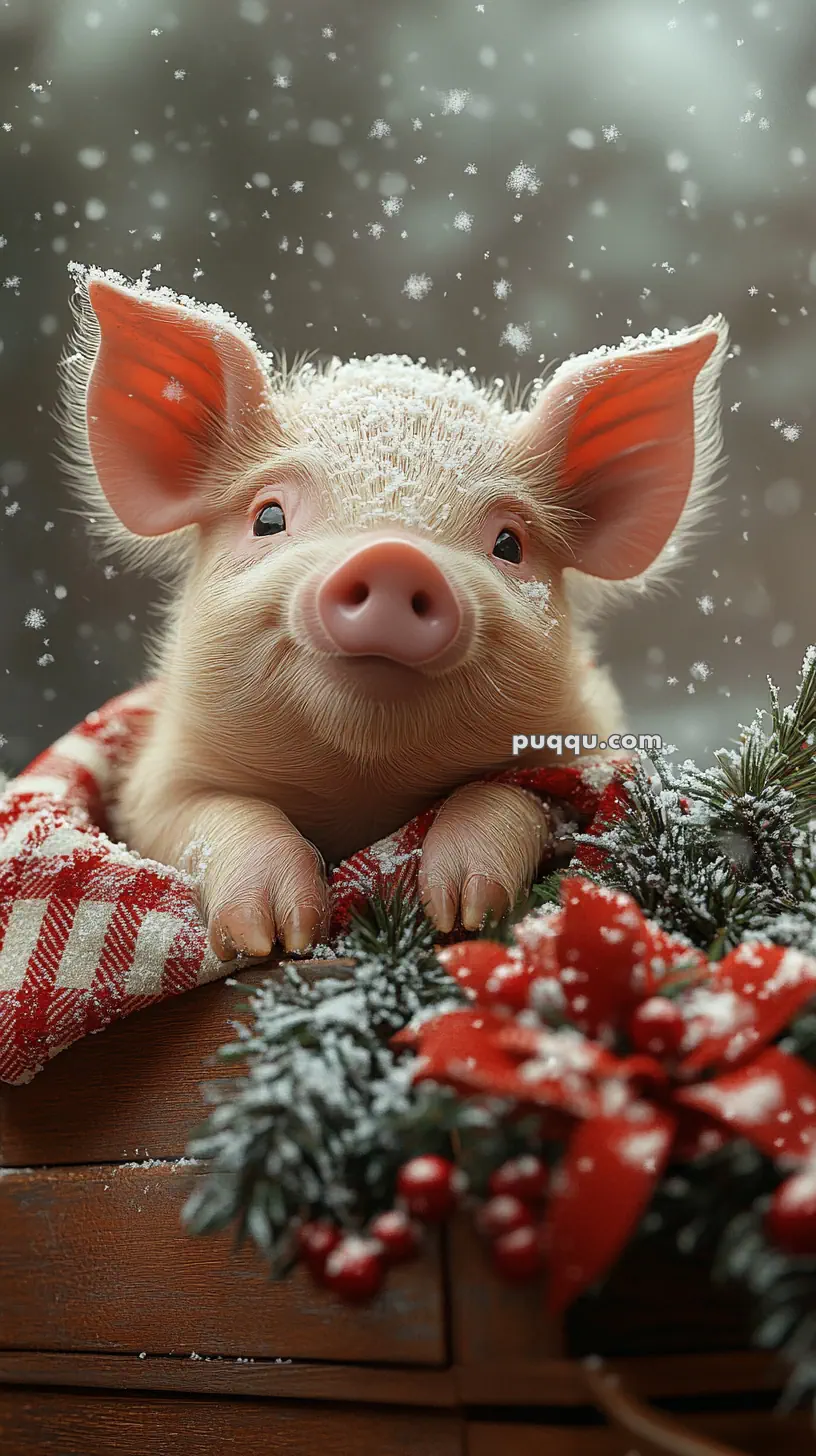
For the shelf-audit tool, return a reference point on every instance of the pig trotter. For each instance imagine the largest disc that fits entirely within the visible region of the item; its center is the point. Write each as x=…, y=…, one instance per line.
x=259, y=881
x=481, y=853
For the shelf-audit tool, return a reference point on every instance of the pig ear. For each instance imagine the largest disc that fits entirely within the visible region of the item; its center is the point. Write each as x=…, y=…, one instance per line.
x=627, y=439
x=168, y=384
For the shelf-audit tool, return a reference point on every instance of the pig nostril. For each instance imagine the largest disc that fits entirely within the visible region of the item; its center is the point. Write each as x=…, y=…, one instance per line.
x=357, y=594
x=421, y=603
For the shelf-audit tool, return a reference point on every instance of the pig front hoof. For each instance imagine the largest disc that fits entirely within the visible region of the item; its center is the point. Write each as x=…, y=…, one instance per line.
x=481, y=853
x=480, y=897
x=242, y=930
x=250, y=930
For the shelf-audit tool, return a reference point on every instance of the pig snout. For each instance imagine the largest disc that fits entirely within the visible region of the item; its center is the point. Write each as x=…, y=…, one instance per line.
x=389, y=599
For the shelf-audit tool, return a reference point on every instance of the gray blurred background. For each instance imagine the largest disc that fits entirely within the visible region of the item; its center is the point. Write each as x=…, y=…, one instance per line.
x=563, y=173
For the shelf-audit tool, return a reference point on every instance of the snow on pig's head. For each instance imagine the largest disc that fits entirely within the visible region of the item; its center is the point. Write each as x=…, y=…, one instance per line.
x=378, y=555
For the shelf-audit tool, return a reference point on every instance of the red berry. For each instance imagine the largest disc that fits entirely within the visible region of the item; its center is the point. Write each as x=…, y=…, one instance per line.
x=502, y=1214
x=657, y=1027
x=355, y=1269
x=429, y=1187
x=315, y=1242
x=526, y=1177
x=397, y=1235
x=518, y=1254
x=791, y=1219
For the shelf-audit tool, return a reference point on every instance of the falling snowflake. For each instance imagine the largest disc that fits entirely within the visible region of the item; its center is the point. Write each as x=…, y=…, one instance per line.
x=518, y=336
x=502, y=288
x=391, y=206
x=417, y=285
x=706, y=605
x=297, y=186
x=471, y=169
x=610, y=133
x=380, y=128
x=173, y=390
x=376, y=229
x=34, y=617
x=788, y=432
x=281, y=80
x=463, y=221
x=523, y=179
x=700, y=671
x=179, y=75
x=454, y=102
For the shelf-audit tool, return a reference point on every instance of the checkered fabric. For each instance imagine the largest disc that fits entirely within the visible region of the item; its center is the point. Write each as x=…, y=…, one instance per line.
x=90, y=931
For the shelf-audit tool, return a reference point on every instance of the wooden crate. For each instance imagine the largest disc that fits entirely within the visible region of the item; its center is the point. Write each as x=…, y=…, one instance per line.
x=120, y=1333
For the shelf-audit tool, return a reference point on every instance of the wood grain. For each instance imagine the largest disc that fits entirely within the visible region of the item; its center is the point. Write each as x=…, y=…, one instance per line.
x=222, y=1375
x=562, y=1383
x=657, y=1302
x=749, y=1434
x=523, y=1383
x=95, y=1259
x=130, y=1090
x=65, y=1423
x=492, y=1321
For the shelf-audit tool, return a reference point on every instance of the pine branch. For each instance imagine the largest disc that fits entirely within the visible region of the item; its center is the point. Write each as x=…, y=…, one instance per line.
x=325, y=1112
x=785, y=757
x=724, y=853
x=783, y=1296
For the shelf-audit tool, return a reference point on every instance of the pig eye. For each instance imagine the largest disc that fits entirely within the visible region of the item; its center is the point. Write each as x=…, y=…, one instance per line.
x=270, y=521
x=508, y=547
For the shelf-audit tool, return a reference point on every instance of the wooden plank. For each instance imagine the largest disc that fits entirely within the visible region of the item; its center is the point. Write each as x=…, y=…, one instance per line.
x=561, y=1382
x=128, y=1091
x=95, y=1259
x=492, y=1321
x=751, y=1433
x=219, y=1375
x=65, y=1423
x=525, y=1383
x=656, y=1302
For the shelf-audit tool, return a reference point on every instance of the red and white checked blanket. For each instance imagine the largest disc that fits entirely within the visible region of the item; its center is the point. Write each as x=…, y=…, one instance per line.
x=90, y=931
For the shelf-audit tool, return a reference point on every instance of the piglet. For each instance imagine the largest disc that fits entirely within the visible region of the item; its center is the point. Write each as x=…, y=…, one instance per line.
x=380, y=572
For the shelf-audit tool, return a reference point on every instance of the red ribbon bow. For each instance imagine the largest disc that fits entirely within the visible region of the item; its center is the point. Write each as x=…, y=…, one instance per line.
x=591, y=962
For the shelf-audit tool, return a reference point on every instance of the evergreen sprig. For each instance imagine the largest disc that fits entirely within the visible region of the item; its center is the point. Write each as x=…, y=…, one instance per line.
x=725, y=853
x=325, y=1112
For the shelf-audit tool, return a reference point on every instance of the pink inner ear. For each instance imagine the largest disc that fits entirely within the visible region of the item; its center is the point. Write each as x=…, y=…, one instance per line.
x=155, y=397
x=629, y=453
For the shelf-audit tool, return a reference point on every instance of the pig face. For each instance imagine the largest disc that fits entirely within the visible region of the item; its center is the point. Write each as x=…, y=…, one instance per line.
x=377, y=560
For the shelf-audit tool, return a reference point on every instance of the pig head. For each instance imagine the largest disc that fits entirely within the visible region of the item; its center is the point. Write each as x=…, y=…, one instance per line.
x=379, y=572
